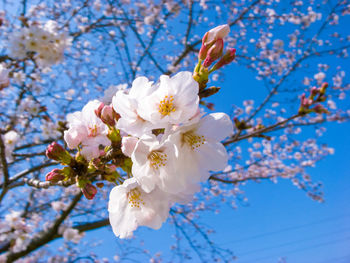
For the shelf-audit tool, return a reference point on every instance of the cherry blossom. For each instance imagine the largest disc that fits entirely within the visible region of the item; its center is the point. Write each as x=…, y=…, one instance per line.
x=87, y=131
x=129, y=207
x=154, y=163
x=174, y=101
x=199, y=142
x=127, y=105
x=10, y=138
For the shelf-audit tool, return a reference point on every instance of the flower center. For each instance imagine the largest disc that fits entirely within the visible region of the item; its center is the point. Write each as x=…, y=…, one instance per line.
x=93, y=131
x=157, y=159
x=192, y=139
x=135, y=199
x=166, y=106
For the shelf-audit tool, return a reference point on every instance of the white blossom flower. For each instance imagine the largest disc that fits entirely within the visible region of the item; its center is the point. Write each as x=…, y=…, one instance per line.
x=175, y=100
x=199, y=147
x=72, y=235
x=87, y=130
x=10, y=139
x=127, y=105
x=130, y=207
x=58, y=206
x=154, y=163
x=320, y=77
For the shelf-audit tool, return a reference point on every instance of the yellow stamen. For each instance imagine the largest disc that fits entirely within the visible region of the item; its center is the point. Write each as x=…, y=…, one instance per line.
x=93, y=131
x=166, y=106
x=134, y=197
x=157, y=159
x=192, y=139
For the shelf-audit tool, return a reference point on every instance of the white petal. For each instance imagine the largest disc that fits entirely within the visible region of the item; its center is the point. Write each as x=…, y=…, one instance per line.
x=128, y=145
x=124, y=105
x=216, y=126
x=212, y=156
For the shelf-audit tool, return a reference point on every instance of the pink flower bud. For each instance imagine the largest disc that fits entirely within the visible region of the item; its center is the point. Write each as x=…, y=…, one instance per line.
x=306, y=102
x=214, y=52
x=226, y=59
x=320, y=109
x=217, y=32
x=204, y=48
x=89, y=191
x=55, y=175
x=210, y=38
x=56, y=152
x=107, y=115
x=99, y=110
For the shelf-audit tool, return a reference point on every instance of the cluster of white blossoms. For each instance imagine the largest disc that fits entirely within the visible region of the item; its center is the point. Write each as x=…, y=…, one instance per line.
x=45, y=42
x=172, y=146
x=169, y=167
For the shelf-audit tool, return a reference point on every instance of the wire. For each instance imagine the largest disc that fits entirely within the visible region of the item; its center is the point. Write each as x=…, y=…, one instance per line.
x=301, y=249
x=293, y=242
x=334, y=218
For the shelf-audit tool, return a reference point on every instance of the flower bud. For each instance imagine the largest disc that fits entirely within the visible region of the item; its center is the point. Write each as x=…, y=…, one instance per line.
x=89, y=191
x=214, y=52
x=305, y=102
x=98, y=111
x=204, y=48
x=226, y=59
x=320, y=109
x=108, y=115
x=55, y=175
x=56, y=152
x=216, y=33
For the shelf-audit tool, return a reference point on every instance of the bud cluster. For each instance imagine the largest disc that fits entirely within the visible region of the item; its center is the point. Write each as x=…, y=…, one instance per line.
x=210, y=51
x=316, y=96
x=43, y=43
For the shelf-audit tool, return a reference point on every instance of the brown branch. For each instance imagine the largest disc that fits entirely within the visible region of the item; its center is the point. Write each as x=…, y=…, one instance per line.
x=236, y=181
x=256, y=133
x=13, y=179
x=44, y=236
x=39, y=184
x=5, y=170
